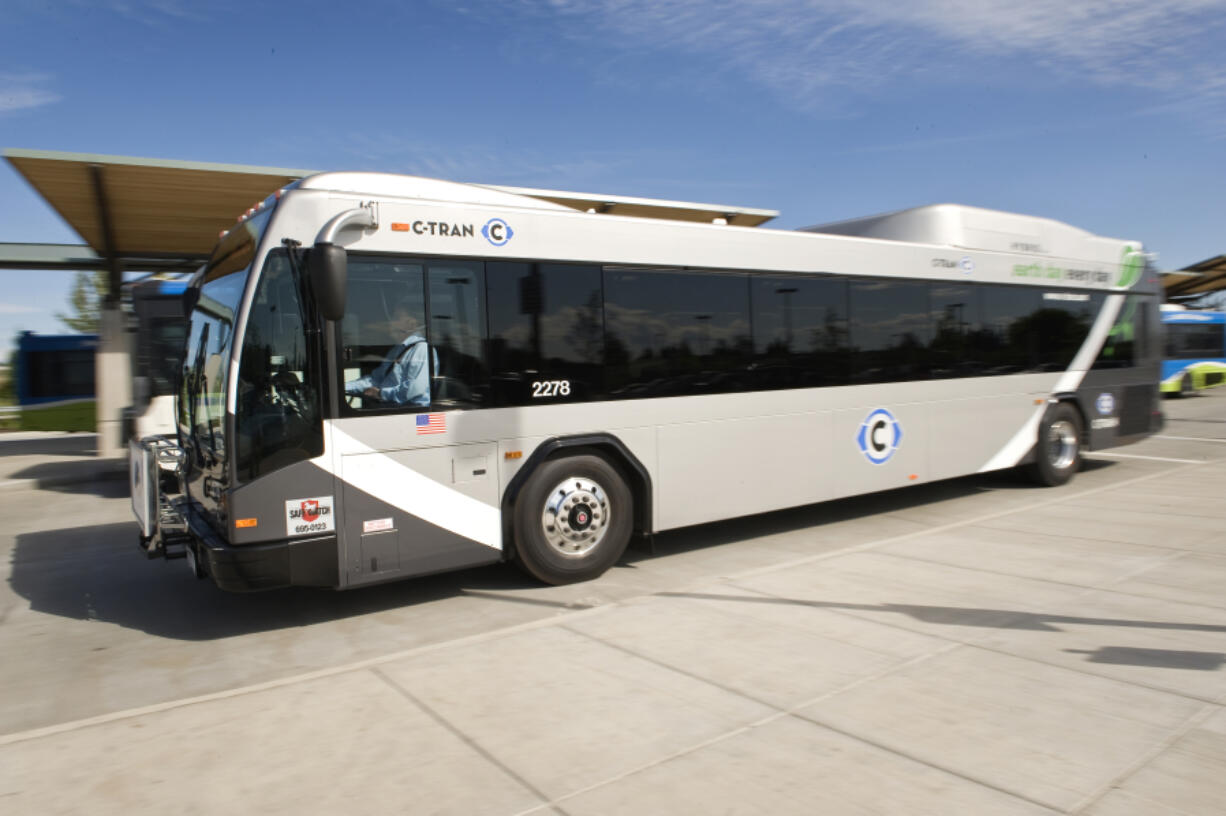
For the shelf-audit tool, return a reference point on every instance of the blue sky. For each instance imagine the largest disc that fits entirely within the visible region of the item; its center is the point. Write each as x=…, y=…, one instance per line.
x=1108, y=115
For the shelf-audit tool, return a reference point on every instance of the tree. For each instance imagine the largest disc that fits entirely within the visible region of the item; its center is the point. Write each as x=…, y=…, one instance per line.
x=88, y=292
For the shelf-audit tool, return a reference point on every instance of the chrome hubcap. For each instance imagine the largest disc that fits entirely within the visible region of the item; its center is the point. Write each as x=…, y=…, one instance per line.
x=1061, y=444
x=575, y=517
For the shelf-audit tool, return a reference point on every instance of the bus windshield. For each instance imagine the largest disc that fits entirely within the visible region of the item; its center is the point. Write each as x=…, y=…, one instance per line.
x=210, y=334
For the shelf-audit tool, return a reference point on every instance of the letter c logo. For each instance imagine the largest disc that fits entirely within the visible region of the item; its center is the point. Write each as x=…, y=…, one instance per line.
x=879, y=436
x=497, y=232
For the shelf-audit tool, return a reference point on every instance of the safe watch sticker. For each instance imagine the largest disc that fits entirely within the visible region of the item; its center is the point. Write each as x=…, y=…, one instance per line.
x=879, y=436
x=307, y=516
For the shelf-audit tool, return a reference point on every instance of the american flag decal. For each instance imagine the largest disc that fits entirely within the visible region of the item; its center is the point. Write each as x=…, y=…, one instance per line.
x=431, y=424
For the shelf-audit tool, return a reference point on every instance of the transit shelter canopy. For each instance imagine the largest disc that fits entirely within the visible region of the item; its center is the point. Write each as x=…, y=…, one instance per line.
x=147, y=208
x=1198, y=279
x=151, y=214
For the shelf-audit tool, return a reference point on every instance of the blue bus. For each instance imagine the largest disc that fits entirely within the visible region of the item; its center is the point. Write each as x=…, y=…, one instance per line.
x=1195, y=350
x=53, y=379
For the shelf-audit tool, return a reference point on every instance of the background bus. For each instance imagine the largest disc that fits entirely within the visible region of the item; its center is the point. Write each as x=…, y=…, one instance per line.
x=157, y=328
x=1195, y=355
x=53, y=380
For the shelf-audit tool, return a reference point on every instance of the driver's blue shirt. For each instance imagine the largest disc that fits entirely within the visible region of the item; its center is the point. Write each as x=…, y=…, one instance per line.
x=402, y=378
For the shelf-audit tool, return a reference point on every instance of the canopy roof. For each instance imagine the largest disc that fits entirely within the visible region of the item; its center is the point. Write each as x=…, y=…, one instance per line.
x=146, y=209
x=158, y=214
x=1198, y=279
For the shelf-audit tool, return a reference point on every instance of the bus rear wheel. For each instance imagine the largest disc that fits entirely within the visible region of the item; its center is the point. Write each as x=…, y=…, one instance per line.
x=1057, y=453
x=573, y=519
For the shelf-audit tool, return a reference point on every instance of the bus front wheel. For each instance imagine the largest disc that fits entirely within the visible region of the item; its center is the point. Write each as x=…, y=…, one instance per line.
x=1057, y=453
x=573, y=519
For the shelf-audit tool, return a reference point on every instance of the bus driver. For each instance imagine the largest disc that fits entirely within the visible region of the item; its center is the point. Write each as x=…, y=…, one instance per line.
x=403, y=378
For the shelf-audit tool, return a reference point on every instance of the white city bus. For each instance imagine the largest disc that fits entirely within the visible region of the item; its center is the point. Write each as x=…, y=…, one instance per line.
x=597, y=377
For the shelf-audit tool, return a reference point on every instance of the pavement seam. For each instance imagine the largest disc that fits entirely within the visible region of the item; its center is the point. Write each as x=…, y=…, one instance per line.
x=464, y=738
x=977, y=642
x=306, y=677
x=955, y=525
x=1193, y=721
x=1086, y=673
x=779, y=713
x=1169, y=557
x=1209, y=706
x=1164, y=557
x=958, y=774
x=1168, y=547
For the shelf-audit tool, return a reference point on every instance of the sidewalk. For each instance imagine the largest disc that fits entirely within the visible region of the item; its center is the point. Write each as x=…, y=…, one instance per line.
x=50, y=459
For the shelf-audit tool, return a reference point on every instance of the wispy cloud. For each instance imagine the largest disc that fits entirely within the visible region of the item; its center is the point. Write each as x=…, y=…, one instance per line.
x=805, y=49
x=24, y=91
x=480, y=163
x=156, y=13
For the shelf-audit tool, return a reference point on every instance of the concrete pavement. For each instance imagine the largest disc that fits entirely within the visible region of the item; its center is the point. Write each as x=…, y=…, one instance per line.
x=975, y=647
x=41, y=459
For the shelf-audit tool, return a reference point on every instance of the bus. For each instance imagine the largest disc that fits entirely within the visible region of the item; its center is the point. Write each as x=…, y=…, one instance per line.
x=597, y=378
x=1195, y=350
x=54, y=381
x=156, y=333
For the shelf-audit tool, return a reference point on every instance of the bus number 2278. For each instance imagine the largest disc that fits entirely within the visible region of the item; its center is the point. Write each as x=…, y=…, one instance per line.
x=550, y=388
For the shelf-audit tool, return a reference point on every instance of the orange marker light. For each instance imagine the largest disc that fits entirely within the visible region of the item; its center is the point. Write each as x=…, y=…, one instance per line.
x=398, y=226
x=514, y=455
x=913, y=476
x=243, y=523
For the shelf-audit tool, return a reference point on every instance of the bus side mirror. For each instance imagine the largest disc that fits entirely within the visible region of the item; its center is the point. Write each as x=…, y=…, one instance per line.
x=328, y=268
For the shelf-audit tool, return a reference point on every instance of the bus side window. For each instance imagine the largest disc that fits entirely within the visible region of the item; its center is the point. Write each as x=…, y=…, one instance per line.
x=1119, y=349
x=384, y=320
x=891, y=329
x=672, y=333
x=799, y=332
x=457, y=334
x=546, y=340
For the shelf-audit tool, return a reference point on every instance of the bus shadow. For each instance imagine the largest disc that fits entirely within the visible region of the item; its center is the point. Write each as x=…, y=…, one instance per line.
x=98, y=572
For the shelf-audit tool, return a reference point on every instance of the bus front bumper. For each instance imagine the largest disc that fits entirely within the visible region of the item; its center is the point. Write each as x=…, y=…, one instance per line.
x=253, y=567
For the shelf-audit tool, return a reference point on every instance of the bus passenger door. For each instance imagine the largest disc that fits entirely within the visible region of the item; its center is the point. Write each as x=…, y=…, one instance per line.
x=420, y=493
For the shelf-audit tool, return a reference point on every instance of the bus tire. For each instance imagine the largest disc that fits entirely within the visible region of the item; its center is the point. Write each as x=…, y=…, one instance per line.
x=573, y=519
x=1185, y=384
x=1057, y=453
